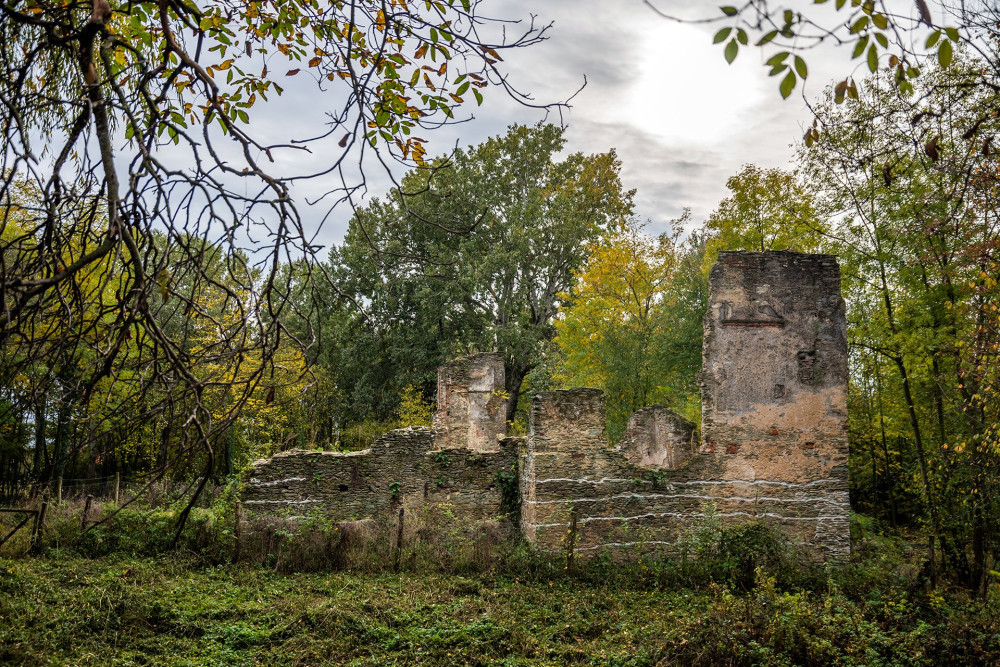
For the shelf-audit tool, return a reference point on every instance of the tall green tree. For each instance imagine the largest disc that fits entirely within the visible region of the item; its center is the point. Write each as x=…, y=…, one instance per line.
x=917, y=232
x=768, y=209
x=471, y=253
x=621, y=328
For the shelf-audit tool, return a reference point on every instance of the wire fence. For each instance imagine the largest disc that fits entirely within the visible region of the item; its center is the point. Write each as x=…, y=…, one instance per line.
x=108, y=487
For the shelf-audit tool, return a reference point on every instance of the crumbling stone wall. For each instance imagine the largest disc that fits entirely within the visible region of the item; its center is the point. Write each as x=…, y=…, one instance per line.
x=401, y=468
x=471, y=403
x=774, y=435
x=657, y=437
x=577, y=491
x=774, y=389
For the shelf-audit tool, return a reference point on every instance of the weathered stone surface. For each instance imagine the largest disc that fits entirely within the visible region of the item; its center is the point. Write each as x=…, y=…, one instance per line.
x=402, y=467
x=471, y=408
x=568, y=470
x=774, y=383
x=658, y=437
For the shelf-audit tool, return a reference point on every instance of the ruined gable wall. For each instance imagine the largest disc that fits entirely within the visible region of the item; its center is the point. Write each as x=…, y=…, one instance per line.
x=774, y=389
x=657, y=437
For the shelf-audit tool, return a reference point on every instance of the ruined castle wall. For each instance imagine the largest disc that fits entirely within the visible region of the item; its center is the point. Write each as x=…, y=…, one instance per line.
x=568, y=471
x=774, y=389
x=471, y=407
x=774, y=435
x=402, y=467
x=657, y=437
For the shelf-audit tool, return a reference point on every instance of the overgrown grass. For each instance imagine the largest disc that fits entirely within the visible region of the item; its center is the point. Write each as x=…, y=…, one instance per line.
x=309, y=591
x=63, y=609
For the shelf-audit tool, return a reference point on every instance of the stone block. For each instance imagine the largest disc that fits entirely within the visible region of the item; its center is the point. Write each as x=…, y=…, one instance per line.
x=471, y=404
x=657, y=437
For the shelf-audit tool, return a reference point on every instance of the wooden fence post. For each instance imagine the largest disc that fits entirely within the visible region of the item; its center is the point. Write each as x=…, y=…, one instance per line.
x=399, y=540
x=36, y=531
x=571, y=550
x=86, y=512
x=238, y=531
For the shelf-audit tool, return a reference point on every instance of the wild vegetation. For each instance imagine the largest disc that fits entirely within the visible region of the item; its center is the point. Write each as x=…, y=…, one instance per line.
x=737, y=596
x=150, y=348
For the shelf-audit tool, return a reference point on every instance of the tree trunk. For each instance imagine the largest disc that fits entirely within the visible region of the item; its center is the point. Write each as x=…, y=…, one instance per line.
x=515, y=378
x=40, y=445
x=62, y=438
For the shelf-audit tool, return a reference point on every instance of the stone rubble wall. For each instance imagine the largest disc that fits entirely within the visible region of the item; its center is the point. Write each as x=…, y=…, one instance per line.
x=773, y=441
x=471, y=404
x=401, y=468
x=658, y=437
x=569, y=469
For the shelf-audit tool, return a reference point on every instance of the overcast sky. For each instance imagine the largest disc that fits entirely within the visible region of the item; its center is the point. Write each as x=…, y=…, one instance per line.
x=681, y=119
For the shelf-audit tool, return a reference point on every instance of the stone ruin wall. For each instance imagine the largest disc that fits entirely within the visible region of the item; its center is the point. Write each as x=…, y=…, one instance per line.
x=471, y=404
x=774, y=389
x=774, y=438
x=455, y=464
x=570, y=476
x=402, y=468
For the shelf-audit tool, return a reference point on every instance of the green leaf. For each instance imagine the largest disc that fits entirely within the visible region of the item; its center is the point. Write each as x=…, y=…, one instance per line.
x=945, y=54
x=777, y=59
x=732, y=48
x=800, y=67
x=767, y=38
x=952, y=34
x=859, y=48
x=881, y=21
x=478, y=95
x=721, y=35
x=787, y=85
x=873, y=58
x=741, y=36
x=729, y=11
x=882, y=39
x=859, y=25
x=933, y=38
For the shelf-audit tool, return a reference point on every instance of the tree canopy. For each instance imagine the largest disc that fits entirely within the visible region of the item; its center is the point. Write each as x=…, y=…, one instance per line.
x=145, y=215
x=474, y=252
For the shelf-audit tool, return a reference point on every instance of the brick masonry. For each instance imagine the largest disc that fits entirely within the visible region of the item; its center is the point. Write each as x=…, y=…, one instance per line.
x=773, y=446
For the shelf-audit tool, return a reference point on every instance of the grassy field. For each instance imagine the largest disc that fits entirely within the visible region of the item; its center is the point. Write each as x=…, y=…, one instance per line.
x=67, y=610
